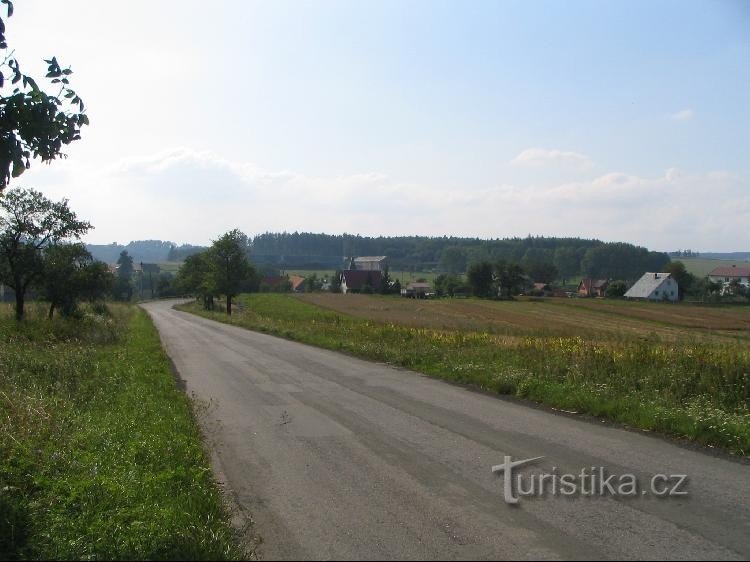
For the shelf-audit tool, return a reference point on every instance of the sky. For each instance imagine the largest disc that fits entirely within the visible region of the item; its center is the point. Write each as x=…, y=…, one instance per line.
x=623, y=121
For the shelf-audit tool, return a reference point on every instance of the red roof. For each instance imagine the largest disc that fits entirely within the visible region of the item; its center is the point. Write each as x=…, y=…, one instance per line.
x=356, y=278
x=731, y=271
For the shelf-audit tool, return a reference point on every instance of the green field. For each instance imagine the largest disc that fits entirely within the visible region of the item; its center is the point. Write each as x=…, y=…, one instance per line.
x=100, y=457
x=701, y=267
x=667, y=374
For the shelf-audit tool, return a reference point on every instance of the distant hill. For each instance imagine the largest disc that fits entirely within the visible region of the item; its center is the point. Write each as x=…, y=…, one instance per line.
x=149, y=251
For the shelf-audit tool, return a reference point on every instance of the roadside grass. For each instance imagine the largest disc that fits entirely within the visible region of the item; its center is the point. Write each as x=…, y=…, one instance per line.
x=699, y=390
x=100, y=457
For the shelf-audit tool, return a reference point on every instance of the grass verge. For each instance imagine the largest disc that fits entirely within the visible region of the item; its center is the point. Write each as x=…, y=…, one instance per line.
x=696, y=390
x=100, y=457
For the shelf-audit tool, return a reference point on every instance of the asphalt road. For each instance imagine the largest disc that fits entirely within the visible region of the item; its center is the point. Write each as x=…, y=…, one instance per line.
x=336, y=457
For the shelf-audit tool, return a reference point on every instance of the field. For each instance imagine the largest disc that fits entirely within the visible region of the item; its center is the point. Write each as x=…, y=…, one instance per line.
x=700, y=267
x=100, y=457
x=677, y=369
x=588, y=318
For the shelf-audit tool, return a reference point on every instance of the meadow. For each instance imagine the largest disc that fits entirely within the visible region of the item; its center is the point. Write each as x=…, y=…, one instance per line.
x=676, y=369
x=100, y=456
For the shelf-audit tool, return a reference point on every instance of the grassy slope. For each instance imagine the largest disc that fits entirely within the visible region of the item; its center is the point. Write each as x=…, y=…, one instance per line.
x=697, y=390
x=100, y=456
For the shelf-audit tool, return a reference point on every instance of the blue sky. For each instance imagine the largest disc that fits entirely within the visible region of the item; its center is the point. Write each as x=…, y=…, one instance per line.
x=616, y=120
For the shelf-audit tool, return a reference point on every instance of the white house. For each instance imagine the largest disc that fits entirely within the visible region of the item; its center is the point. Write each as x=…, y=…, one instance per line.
x=655, y=287
x=730, y=274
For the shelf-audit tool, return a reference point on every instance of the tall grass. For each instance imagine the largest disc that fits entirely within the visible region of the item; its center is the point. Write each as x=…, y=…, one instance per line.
x=100, y=457
x=697, y=390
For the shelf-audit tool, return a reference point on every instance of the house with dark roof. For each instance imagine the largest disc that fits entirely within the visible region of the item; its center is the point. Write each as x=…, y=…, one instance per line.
x=655, y=287
x=727, y=276
x=355, y=280
x=592, y=287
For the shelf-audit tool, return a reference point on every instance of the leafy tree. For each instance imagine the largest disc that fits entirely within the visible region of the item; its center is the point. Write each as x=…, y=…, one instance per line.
x=122, y=286
x=446, y=284
x=229, y=264
x=196, y=277
x=616, y=289
x=71, y=274
x=480, y=279
x=684, y=279
x=509, y=277
x=33, y=123
x=28, y=223
x=311, y=283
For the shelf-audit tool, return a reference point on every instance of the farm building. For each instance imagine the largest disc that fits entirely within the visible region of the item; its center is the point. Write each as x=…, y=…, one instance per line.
x=418, y=291
x=728, y=275
x=592, y=287
x=370, y=263
x=355, y=281
x=654, y=287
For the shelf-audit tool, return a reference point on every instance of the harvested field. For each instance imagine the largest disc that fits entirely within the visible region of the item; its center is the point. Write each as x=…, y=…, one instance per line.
x=607, y=320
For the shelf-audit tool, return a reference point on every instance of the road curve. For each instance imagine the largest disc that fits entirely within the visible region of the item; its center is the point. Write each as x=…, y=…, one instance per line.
x=337, y=458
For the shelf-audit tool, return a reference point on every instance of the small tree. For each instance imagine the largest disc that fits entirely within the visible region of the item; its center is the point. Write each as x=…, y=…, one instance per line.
x=70, y=275
x=230, y=265
x=29, y=222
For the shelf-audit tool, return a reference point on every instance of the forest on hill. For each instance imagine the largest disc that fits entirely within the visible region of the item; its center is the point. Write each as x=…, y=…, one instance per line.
x=570, y=256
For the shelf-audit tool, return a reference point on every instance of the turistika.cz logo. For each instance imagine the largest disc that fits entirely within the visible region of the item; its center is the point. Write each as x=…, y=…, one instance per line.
x=590, y=481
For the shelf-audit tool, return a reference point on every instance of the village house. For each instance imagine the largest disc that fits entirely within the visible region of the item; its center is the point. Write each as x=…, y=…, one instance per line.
x=355, y=280
x=655, y=287
x=726, y=276
x=418, y=291
x=298, y=283
x=592, y=287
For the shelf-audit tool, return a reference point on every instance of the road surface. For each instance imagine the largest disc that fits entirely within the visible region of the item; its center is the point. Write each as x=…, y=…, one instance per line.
x=336, y=457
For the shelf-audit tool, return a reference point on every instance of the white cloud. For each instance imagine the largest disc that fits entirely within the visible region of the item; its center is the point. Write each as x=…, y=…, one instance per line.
x=193, y=196
x=547, y=158
x=683, y=115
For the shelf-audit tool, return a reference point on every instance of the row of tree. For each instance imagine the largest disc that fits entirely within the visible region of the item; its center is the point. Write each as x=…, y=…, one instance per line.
x=222, y=269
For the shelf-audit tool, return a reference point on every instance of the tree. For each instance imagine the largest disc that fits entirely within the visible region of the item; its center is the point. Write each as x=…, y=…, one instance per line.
x=616, y=289
x=509, y=277
x=71, y=274
x=196, y=277
x=684, y=279
x=28, y=223
x=122, y=287
x=480, y=279
x=229, y=264
x=33, y=123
